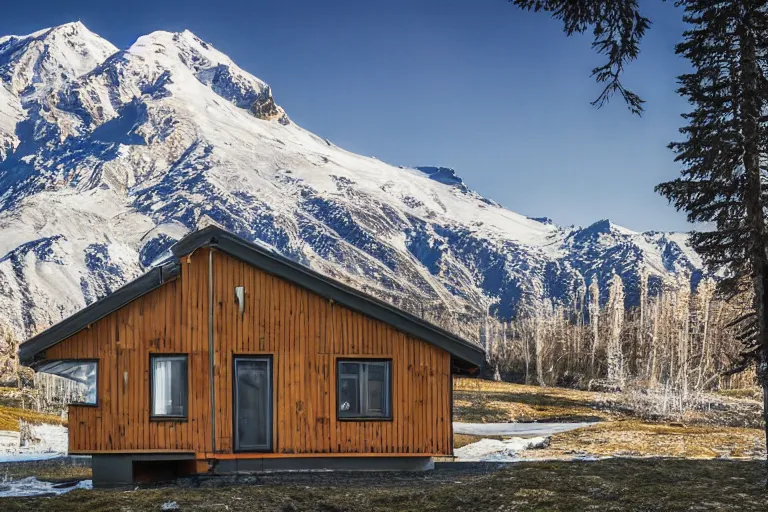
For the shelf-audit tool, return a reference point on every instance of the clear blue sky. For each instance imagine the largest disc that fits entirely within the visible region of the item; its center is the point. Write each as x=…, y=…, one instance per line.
x=499, y=94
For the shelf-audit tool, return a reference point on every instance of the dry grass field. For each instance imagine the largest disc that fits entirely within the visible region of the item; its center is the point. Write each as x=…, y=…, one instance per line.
x=613, y=484
x=10, y=416
x=11, y=400
x=661, y=466
x=621, y=431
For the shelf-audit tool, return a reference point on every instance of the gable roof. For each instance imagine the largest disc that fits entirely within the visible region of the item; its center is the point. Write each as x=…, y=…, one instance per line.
x=268, y=261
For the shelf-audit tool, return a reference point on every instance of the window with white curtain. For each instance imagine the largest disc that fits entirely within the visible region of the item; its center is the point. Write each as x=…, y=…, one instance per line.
x=169, y=386
x=364, y=389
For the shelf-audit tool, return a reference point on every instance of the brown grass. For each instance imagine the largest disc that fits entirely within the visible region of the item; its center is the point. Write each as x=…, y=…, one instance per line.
x=635, y=438
x=483, y=401
x=754, y=393
x=619, y=433
x=615, y=484
x=10, y=416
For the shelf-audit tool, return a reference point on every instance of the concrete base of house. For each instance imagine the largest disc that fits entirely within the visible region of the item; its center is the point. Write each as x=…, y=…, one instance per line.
x=122, y=470
x=270, y=464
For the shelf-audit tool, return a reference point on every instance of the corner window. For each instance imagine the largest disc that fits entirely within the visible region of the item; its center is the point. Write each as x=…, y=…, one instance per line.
x=169, y=386
x=364, y=389
x=76, y=381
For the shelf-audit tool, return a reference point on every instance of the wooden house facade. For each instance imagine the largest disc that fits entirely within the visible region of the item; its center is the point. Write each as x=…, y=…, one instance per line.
x=232, y=358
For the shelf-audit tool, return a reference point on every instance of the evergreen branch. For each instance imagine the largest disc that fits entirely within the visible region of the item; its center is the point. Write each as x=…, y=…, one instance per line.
x=617, y=29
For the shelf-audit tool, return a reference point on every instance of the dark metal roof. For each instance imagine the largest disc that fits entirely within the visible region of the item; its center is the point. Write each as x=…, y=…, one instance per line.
x=273, y=263
x=99, y=309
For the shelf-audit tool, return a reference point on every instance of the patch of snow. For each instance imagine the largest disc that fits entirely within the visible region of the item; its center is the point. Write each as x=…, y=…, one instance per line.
x=47, y=441
x=516, y=429
x=28, y=457
x=495, y=450
x=31, y=486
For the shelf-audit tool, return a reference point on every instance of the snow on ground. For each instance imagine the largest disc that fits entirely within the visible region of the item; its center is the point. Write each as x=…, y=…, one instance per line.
x=48, y=441
x=27, y=457
x=31, y=486
x=495, y=450
x=522, y=430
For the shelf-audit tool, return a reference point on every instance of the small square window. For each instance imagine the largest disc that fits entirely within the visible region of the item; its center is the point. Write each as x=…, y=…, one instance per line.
x=364, y=389
x=169, y=386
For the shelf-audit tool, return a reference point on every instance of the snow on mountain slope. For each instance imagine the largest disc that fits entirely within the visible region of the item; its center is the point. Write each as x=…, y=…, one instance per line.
x=110, y=156
x=50, y=57
x=10, y=114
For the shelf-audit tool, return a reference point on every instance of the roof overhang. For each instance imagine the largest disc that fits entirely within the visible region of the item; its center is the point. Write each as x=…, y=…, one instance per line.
x=97, y=310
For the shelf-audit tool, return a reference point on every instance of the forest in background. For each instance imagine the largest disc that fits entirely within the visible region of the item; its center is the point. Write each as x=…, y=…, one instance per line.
x=680, y=341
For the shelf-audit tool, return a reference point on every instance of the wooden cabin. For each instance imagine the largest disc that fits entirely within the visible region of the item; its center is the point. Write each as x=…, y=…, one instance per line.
x=231, y=358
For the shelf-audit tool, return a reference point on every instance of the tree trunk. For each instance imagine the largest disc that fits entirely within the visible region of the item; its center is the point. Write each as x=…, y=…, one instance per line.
x=762, y=365
x=539, y=356
x=751, y=106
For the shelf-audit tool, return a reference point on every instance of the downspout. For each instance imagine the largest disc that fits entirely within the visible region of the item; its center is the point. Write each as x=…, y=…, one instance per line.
x=211, y=378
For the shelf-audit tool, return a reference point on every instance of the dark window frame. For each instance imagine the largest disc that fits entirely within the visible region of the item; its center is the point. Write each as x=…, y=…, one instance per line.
x=388, y=386
x=168, y=417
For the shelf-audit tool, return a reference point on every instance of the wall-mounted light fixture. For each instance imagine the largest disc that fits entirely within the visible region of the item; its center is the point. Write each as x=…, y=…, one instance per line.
x=240, y=297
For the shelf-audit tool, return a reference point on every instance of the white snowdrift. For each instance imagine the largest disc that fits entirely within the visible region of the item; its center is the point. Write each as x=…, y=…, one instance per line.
x=495, y=450
x=48, y=441
x=31, y=486
x=516, y=429
x=28, y=457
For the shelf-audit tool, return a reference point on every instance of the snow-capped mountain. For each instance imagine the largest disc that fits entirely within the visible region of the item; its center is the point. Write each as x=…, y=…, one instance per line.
x=108, y=156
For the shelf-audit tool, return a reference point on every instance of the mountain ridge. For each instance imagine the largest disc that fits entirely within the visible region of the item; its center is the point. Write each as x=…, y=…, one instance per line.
x=106, y=160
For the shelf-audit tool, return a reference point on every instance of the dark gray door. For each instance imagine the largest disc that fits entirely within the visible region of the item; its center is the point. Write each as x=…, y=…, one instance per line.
x=253, y=404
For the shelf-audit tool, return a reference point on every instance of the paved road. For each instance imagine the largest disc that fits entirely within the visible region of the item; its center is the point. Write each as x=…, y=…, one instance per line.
x=516, y=429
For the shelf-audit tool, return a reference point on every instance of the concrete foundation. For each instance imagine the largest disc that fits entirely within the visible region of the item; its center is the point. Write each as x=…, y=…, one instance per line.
x=250, y=465
x=123, y=470
x=118, y=470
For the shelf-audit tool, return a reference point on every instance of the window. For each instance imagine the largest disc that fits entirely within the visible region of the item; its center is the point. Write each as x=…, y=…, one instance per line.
x=75, y=380
x=169, y=386
x=364, y=389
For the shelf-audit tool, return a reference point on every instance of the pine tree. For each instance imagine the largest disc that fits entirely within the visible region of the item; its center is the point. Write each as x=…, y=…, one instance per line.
x=617, y=29
x=725, y=142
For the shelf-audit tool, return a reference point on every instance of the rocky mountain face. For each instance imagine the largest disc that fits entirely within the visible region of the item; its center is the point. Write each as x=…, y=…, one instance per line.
x=108, y=156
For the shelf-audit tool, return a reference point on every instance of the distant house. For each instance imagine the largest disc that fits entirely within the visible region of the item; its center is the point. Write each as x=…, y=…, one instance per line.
x=233, y=358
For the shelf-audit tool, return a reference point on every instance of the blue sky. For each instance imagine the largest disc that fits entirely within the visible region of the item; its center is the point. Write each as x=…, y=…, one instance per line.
x=499, y=94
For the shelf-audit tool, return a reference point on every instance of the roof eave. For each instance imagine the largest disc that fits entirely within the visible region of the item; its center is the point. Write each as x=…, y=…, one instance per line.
x=70, y=326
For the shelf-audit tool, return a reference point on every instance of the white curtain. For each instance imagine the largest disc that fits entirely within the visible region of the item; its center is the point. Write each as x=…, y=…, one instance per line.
x=162, y=385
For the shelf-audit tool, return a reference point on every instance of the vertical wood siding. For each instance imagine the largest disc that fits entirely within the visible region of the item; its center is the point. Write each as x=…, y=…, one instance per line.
x=304, y=333
x=170, y=319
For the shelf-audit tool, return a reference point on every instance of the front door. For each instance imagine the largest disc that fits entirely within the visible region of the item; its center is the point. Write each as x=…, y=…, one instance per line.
x=253, y=404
